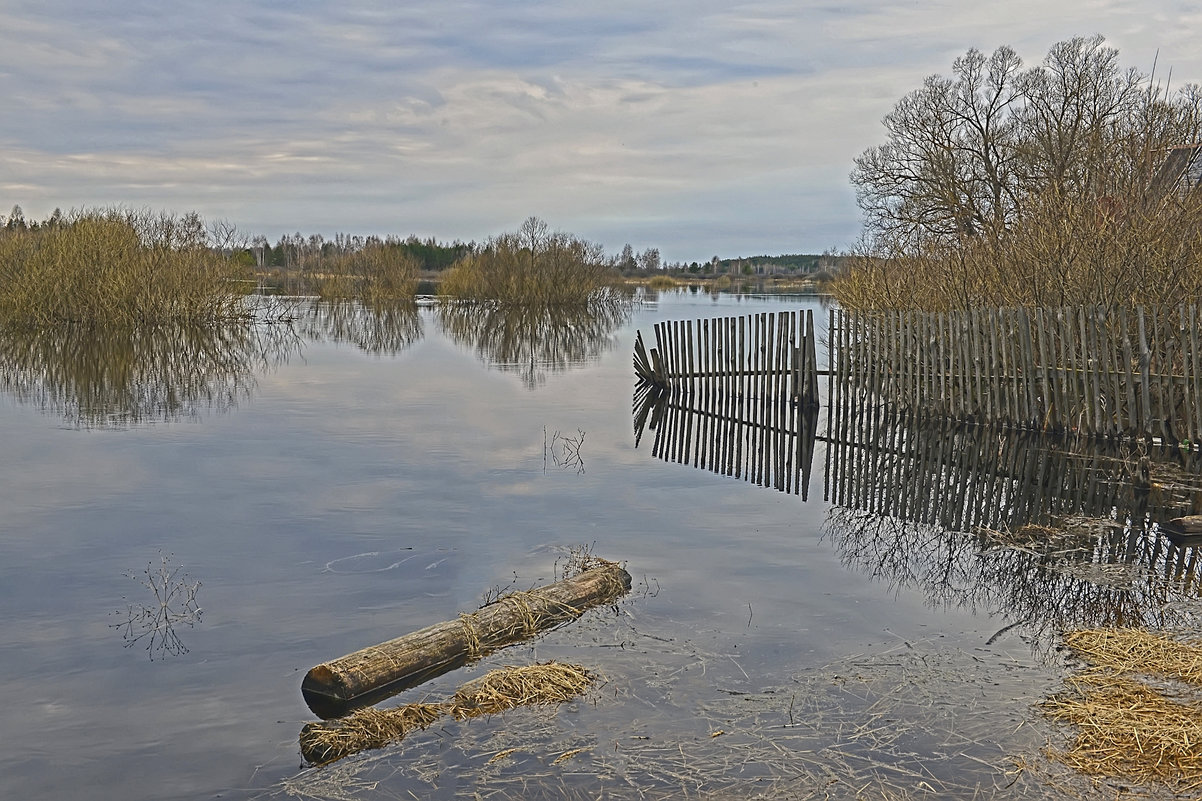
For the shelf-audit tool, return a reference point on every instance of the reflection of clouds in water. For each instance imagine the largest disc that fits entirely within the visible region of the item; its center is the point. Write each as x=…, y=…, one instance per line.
x=532, y=339
x=114, y=378
x=174, y=603
x=382, y=561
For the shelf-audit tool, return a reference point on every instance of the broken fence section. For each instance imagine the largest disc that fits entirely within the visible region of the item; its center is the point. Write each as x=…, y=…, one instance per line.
x=765, y=356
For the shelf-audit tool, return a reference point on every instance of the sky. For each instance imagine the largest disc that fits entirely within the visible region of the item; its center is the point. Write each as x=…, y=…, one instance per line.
x=700, y=128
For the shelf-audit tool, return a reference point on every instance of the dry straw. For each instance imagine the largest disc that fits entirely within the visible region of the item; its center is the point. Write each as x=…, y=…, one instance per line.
x=497, y=691
x=510, y=687
x=366, y=728
x=1125, y=728
x=1139, y=651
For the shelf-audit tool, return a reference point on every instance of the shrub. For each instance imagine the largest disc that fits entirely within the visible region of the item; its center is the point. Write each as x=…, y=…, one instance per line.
x=377, y=273
x=115, y=267
x=663, y=282
x=532, y=265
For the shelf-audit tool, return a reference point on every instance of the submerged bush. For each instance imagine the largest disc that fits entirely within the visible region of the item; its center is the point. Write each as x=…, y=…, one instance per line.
x=379, y=272
x=533, y=266
x=115, y=267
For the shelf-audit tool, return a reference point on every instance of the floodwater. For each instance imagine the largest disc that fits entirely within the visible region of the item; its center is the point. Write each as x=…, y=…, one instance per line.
x=191, y=520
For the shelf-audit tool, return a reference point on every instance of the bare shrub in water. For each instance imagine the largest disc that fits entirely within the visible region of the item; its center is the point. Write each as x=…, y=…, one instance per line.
x=532, y=265
x=115, y=267
x=377, y=273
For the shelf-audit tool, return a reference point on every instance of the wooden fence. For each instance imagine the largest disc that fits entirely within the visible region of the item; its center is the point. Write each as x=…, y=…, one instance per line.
x=1131, y=374
x=767, y=355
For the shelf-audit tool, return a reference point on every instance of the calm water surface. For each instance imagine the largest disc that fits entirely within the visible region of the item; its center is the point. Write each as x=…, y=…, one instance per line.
x=317, y=490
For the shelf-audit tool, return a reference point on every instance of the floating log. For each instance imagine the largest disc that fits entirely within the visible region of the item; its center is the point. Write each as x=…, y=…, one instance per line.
x=1184, y=530
x=369, y=676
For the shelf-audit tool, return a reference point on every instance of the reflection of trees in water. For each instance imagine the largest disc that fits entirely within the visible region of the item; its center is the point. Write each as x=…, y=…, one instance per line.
x=1125, y=577
x=381, y=328
x=97, y=377
x=1046, y=535
x=533, y=340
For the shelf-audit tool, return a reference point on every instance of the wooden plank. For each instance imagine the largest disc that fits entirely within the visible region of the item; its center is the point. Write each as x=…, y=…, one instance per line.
x=1029, y=373
x=1194, y=370
x=1145, y=374
x=1134, y=420
x=1184, y=427
x=1110, y=361
x=1044, y=411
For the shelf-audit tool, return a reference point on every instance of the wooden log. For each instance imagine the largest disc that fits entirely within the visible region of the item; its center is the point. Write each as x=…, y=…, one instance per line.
x=334, y=688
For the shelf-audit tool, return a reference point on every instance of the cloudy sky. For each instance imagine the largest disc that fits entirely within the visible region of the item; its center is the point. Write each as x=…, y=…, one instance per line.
x=702, y=128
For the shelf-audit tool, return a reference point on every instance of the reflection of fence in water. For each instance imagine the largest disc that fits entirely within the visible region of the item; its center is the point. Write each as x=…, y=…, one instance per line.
x=1001, y=523
x=964, y=479
x=760, y=441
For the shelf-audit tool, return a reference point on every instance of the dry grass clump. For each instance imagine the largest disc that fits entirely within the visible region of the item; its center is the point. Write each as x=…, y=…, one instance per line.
x=531, y=266
x=496, y=691
x=115, y=267
x=1139, y=651
x=1125, y=728
x=663, y=282
x=1128, y=730
x=528, y=685
x=366, y=728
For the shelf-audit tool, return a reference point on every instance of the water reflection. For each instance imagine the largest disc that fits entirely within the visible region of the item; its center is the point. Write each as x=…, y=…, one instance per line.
x=382, y=328
x=115, y=378
x=1047, y=535
x=534, y=340
x=173, y=603
x=761, y=441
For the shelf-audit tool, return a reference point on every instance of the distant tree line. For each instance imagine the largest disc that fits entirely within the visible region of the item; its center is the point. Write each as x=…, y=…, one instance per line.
x=300, y=252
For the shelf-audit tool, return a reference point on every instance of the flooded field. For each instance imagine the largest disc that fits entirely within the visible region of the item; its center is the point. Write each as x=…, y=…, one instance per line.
x=194, y=519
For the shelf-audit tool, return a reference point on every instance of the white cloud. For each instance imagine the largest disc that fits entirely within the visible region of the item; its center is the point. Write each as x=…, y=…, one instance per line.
x=699, y=128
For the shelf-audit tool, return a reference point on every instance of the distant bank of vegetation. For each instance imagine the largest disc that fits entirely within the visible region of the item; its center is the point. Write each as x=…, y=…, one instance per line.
x=1074, y=182
x=124, y=267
